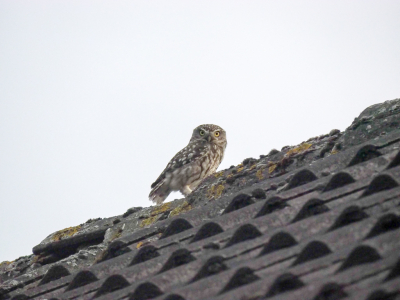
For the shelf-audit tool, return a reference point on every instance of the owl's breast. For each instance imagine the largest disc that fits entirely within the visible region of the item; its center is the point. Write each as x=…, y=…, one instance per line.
x=214, y=158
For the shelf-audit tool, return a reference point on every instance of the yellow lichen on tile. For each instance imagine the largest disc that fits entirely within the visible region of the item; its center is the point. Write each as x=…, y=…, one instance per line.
x=160, y=209
x=219, y=190
x=210, y=192
x=117, y=235
x=252, y=167
x=148, y=221
x=260, y=174
x=65, y=233
x=240, y=168
x=215, y=191
x=5, y=263
x=34, y=259
x=180, y=209
x=138, y=245
x=219, y=174
x=299, y=149
x=272, y=168
x=334, y=151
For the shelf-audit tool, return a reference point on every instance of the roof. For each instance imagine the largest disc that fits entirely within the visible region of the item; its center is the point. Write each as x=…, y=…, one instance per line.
x=320, y=220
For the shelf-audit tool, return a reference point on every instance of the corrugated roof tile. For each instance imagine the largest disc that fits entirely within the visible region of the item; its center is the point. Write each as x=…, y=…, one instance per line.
x=302, y=223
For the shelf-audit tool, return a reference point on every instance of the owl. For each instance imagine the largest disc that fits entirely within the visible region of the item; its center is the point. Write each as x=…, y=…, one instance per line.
x=200, y=158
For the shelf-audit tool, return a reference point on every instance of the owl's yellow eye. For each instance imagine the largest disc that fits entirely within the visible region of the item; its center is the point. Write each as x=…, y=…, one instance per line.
x=216, y=133
x=201, y=132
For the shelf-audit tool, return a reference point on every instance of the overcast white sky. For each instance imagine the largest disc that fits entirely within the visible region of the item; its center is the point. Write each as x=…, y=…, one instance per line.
x=97, y=96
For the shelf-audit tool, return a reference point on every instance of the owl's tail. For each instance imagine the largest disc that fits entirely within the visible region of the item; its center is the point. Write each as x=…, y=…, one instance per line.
x=159, y=192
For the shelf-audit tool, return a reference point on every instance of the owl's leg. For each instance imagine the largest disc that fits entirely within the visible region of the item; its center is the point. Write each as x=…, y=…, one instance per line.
x=186, y=190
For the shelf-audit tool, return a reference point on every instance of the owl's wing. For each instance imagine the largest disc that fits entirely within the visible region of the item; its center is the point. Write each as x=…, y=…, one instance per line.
x=187, y=155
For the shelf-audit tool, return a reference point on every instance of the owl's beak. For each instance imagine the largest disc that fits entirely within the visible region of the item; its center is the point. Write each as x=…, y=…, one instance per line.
x=209, y=138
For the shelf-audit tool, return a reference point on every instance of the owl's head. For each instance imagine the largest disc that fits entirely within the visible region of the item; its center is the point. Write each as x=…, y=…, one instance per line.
x=211, y=133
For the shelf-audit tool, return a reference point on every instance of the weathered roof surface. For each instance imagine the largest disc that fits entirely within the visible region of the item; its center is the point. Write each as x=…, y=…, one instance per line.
x=320, y=220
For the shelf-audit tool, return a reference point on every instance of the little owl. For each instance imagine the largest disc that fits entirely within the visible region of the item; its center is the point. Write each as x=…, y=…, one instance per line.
x=200, y=158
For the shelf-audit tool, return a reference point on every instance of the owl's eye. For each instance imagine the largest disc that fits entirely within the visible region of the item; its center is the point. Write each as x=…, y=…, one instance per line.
x=216, y=133
x=201, y=132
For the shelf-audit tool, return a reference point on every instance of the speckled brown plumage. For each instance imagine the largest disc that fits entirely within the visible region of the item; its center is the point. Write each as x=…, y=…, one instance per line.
x=200, y=158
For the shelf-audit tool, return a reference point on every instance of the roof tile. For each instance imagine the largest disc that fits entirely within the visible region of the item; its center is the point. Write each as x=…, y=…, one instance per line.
x=308, y=222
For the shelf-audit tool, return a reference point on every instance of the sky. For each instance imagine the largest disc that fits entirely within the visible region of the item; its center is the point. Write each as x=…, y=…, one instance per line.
x=97, y=96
